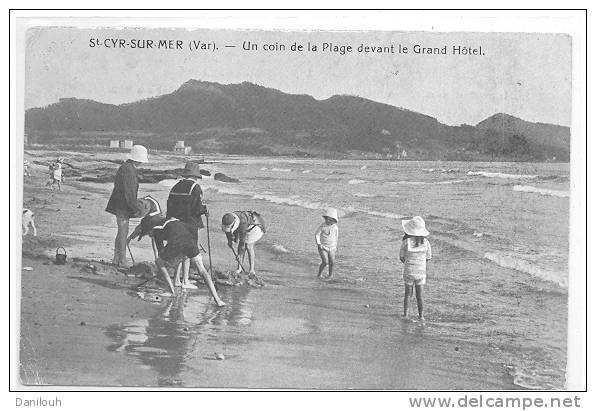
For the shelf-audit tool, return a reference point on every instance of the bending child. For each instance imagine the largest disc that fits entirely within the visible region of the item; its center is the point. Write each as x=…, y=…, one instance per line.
x=326, y=238
x=415, y=251
x=180, y=244
x=246, y=228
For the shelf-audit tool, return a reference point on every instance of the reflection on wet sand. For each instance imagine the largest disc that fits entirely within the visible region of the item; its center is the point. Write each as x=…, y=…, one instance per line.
x=172, y=338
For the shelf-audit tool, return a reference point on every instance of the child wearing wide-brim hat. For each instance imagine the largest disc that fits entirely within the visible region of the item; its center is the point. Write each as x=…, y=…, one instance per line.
x=415, y=251
x=326, y=238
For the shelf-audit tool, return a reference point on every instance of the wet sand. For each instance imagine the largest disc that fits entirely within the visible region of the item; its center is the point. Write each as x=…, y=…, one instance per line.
x=81, y=328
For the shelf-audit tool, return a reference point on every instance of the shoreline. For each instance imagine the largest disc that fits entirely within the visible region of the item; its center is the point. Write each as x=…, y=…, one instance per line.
x=339, y=157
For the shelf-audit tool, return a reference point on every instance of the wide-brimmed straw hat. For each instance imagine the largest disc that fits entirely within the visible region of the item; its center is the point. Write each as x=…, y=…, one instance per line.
x=416, y=227
x=229, y=223
x=138, y=153
x=331, y=213
x=192, y=170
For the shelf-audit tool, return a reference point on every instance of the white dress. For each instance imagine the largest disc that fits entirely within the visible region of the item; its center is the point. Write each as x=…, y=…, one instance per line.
x=415, y=258
x=57, y=172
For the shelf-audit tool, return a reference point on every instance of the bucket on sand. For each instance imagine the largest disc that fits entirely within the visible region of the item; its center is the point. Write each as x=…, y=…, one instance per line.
x=60, y=256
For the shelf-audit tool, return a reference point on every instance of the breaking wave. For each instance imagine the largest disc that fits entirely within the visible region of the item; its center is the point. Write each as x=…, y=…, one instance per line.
x=413, y=183
x=356, y=181
x=281, y=170
x=528, y=376
x=543, y=191
x=301, y=202
x=440, y=170
x=528, y=268
x=417, y=183
x=500, y=175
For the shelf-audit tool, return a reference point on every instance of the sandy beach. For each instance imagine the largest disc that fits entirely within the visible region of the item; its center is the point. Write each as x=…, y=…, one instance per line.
x=81, y=327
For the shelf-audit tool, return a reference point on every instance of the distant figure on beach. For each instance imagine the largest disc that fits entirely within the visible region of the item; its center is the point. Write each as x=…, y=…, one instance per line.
x=185, y=203
x=326, y=238
x=26, y=171
x=415, y=251
x=55, y=174
x=246, y=228
x=123, y=201
x=180, y=245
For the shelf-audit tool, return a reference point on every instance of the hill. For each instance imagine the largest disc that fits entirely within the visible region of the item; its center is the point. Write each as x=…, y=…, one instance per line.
x=250, y=119
x=536, y=136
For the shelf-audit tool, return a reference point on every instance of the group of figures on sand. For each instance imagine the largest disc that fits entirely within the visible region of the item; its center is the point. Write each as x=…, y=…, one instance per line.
x=175, y=234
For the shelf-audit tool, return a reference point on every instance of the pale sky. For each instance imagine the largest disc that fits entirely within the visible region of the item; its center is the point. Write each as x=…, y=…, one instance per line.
x=526, y=75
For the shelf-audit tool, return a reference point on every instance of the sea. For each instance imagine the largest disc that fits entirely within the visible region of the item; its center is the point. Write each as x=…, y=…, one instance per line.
x=499, y=231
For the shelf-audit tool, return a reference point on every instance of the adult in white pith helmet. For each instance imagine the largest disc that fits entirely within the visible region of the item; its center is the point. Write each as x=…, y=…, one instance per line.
x=123, y=201
x=138, y=153
x=326, y=238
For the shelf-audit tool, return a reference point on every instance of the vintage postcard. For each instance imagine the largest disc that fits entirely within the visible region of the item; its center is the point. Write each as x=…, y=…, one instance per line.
x=294, y=209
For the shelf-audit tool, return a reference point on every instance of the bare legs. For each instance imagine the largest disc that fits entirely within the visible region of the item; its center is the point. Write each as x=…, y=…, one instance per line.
x=177, y=281
x=250, y=250
x=331, y=262
x=251, y=257
x=327, y=260
x=162, y=267
x=408, y=291
x=120, y=243
x=185, y=268
x=419, y=300
x=198, y=262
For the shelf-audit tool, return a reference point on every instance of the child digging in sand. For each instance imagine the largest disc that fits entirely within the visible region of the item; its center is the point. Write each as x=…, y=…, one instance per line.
x=326, y=237
x=415, y=251
x=180, y=245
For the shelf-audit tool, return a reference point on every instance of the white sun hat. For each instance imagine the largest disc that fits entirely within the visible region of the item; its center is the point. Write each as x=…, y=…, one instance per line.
x=415, y=227
x=331, y=213
x=138, y=153
x=230, y=223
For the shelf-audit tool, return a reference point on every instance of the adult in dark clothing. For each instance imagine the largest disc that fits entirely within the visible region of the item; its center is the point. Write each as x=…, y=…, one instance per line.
x=246, y=228
x=123, y=201
x=185, y=203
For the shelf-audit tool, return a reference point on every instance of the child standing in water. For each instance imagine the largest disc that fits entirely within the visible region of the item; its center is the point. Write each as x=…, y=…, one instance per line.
x=326, y=237
x=415, y=251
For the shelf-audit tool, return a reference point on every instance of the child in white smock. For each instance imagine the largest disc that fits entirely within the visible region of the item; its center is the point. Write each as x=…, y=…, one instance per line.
x=415, y=251
x=326, y=238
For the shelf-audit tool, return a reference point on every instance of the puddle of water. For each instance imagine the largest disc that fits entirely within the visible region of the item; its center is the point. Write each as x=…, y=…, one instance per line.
x=177, y=335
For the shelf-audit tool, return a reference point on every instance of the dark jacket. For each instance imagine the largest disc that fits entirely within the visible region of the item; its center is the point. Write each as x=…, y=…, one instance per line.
x=123, y=201
x=178, y=238
x=185, y=202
